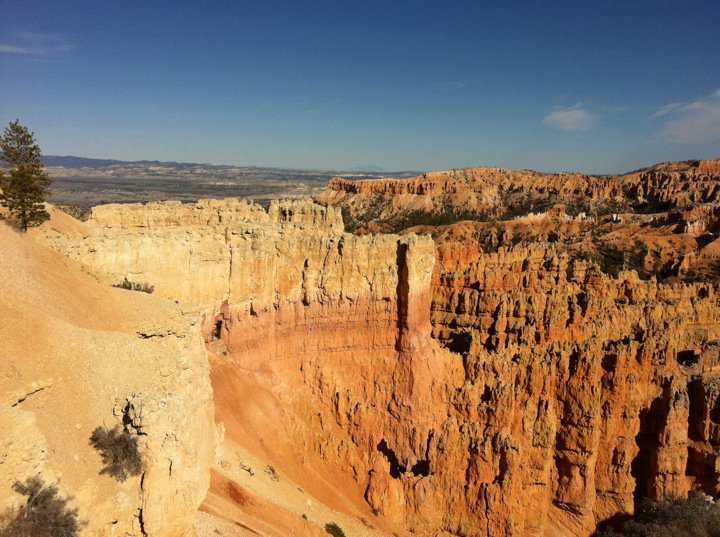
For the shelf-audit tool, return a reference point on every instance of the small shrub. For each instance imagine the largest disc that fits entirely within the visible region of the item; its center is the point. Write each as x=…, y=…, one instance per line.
x=425, y=218
x=654, y=204
x=79, y=212
x=577, y=205
x=334, y=530
x=270, y=470
x=636, y=260
x=135, y=286
x=611, y=206
x=45, y=514
x=119, y=451
x=516, y=238
x=524, y=205
x=710, y=273
x=610, y=258
x=698, y=516
x=375, y=208
x=351, y=224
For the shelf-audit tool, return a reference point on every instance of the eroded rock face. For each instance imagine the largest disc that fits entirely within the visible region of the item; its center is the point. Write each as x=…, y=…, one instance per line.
x=592, y=382
x=377, y=204
x=205, y=253
x=509, y=393
x=76, y=356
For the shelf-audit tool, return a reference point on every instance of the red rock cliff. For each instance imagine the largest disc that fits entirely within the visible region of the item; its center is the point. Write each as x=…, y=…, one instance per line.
x=473, y=394
x=380, y=201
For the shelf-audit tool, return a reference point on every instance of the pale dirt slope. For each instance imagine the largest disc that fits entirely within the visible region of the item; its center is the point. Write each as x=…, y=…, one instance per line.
x=76, y=355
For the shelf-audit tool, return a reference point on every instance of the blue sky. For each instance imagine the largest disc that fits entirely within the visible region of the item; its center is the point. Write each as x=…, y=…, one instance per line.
x=598, y=87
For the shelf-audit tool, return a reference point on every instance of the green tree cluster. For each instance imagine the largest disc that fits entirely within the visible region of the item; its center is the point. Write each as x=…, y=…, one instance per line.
x=23, y=181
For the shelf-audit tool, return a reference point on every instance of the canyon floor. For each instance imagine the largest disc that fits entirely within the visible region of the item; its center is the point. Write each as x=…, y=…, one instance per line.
x=488, y=353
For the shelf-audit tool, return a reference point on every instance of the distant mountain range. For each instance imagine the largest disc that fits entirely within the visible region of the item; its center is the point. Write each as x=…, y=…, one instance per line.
x=69, y=161
x=82, y=162
x=368, y=168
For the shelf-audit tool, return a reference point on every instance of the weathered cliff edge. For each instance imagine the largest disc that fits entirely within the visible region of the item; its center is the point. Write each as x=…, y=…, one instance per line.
x=75, y=356
x=671, y=186
x=470, y=393
x=680, y=183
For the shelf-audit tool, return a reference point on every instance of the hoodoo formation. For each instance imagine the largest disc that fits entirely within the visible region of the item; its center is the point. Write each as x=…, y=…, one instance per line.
x=500, y=377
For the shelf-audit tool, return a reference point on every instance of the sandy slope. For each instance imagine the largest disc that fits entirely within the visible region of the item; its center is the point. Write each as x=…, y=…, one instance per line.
x=260, y=485
x=76, y=355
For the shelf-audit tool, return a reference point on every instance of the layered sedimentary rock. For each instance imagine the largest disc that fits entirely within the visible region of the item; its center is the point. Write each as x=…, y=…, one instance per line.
x=681, y=184
x=377, y=203
x=205, y=253
x=342, y=321
x=77, y=356
x=587, y=384
x=472, y=393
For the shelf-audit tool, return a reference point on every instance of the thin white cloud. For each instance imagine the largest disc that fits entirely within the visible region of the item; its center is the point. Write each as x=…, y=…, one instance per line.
x=9, y=49
x=696, y=122
x=570, y=118
x=666, y=110
x=36, y=36
x=35, y=44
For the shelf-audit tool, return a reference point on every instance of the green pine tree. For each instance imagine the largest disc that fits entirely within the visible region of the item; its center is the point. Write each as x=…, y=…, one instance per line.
x=24, y=182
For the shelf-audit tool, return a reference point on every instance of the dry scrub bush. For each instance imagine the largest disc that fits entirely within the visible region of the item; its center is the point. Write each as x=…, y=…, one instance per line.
x=119, y=451
x=45, y=514
x=698, y=516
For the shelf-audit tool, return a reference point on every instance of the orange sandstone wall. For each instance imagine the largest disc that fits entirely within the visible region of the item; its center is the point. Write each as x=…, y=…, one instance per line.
x=680, y=185
x=589, y=390
x=470, y=393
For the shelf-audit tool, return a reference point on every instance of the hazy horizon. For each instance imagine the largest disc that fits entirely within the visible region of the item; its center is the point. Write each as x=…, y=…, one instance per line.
x=357, y=169
x=344, y=86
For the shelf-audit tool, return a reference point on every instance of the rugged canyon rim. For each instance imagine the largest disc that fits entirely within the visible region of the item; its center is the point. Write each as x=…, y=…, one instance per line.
x=286, y=374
